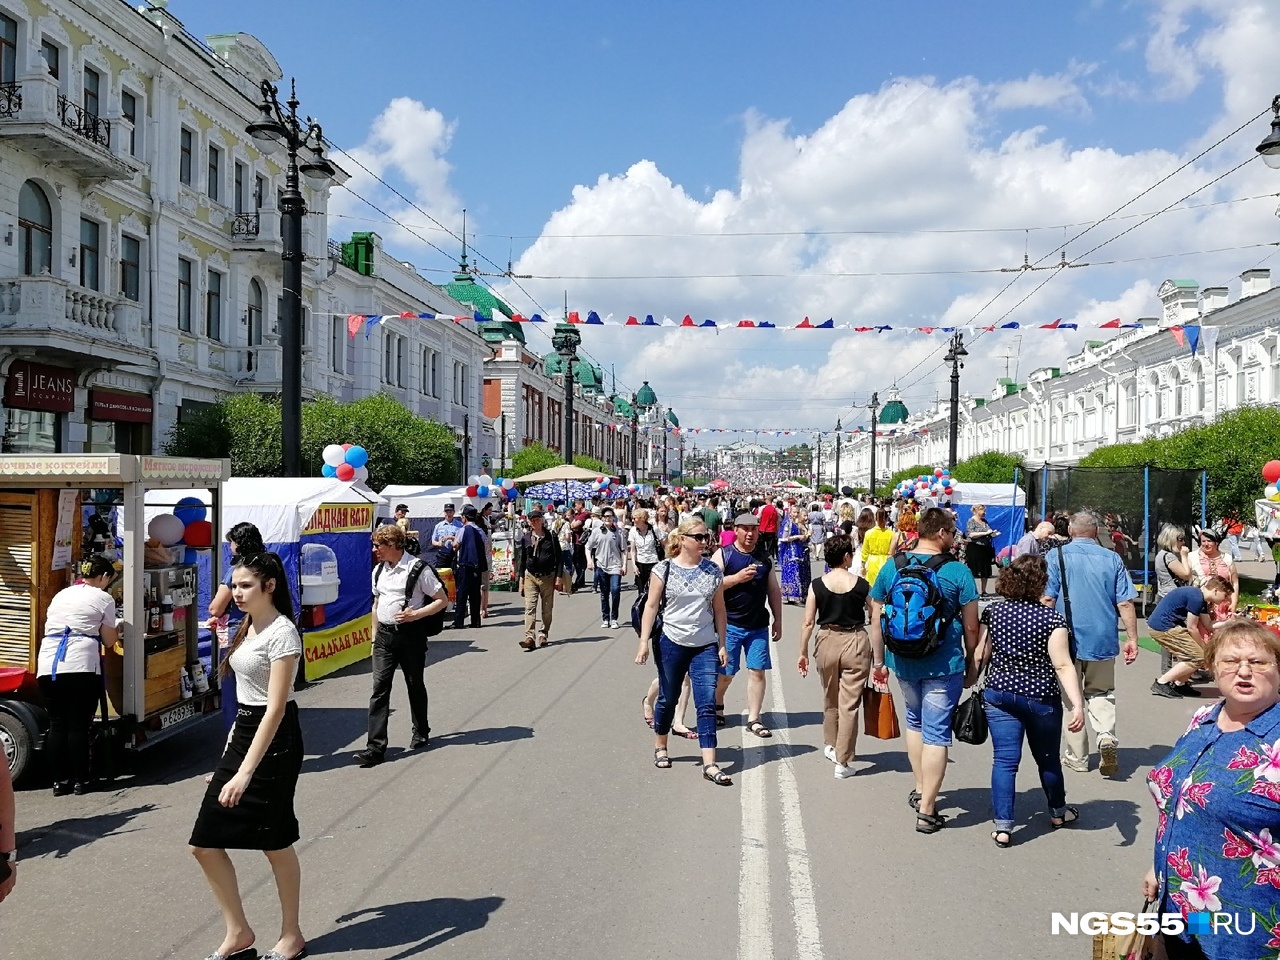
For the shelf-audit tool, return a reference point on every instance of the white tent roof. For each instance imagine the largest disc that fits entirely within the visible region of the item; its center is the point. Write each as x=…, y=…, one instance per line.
x=994, y=494
x=426, y=501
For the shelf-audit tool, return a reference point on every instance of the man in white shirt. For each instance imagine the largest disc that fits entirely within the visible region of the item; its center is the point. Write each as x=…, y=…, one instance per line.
x=405, y=592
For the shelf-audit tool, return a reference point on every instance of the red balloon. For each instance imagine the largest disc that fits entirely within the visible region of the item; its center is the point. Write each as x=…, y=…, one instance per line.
x=1271, y=471
x=346, y=447
x=345, y=472
x=198, y=533
x=473, y=491
x=937, y=471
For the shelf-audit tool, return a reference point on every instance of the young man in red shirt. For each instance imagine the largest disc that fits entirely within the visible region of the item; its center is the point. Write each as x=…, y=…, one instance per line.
x=769, y=529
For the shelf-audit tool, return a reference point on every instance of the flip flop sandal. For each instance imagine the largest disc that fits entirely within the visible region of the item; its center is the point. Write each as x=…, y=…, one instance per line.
x=248, y=953
x=759, y=729
x=687, y=734
x=1006, y=842
x=929, y=822
x=661, y=760
x=1069, y=816
x=719, y=778
x=720, y=720
x=648, y=721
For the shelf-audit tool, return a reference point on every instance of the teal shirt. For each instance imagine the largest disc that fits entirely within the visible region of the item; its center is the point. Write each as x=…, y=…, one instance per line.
x=958, y=588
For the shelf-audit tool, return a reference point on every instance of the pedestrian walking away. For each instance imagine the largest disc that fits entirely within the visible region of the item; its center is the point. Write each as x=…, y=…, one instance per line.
x=472, y=560
x=751, y=594
x=249, y=803
x=1089, y=585
x=539, y=568
x=405, y=592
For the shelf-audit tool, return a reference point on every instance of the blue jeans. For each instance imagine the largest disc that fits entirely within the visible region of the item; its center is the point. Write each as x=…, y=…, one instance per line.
x=1009, y=715
x=610, y=586
x=674, y=662
x=929, y=704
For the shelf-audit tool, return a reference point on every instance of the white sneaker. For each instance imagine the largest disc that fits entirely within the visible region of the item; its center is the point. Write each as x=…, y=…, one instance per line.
x=605, y=624
x=843, y=772
x=613, y=624
x=830, y=753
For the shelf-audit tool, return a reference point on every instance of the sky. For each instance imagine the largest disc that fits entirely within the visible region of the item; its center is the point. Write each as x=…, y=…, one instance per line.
x=873, y=163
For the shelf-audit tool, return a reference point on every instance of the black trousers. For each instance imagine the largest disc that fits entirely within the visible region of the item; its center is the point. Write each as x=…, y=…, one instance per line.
x=468, y=581
x=579, y=566
x=770, y=544
x=71, y=701
x=395, y=647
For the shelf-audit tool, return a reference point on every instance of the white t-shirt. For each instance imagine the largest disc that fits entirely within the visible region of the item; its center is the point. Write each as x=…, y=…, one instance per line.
x=646, y=544
x=687, y=618
x=252, y=660
x=85, y=610
x=388, y=588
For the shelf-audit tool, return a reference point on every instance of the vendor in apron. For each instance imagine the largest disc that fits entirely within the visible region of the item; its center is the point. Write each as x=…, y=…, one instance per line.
x=80, y=619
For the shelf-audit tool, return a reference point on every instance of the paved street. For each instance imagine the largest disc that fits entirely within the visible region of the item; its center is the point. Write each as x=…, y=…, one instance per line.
x=536, y=826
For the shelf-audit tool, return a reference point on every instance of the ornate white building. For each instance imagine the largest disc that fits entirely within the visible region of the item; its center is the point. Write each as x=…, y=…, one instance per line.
x=1139, y=384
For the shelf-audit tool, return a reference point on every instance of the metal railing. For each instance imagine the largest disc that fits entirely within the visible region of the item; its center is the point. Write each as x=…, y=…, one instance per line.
x=246, y=226
x=10, y=100
x=78, y=120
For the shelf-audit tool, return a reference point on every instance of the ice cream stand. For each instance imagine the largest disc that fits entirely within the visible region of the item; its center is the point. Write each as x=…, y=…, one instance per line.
x=54, y=511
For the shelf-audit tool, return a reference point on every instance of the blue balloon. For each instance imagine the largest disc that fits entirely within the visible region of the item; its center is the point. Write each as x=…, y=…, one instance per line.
x=357, y=457
x=190, y=555
x=190, y=509
x=482, y=492
x=328, y=470
x=512, y=493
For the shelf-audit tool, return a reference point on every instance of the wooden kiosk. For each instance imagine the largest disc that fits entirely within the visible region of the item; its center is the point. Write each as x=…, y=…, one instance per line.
x=44, y=502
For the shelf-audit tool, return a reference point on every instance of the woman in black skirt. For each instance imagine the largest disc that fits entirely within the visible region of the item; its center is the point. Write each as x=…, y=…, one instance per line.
x=249, y=803
x=979, y=552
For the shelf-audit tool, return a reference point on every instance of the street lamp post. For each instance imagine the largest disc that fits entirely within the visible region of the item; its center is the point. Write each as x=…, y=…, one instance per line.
x=280, y=127
x=565, y=340
x=665, y=478
x=635, y=427
x=875, y=409
x=955, y=356
x=817, y=464
x=837, y=456
x=1270, y=145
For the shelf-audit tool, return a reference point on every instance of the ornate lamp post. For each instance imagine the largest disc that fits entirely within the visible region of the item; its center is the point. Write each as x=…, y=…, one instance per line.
x=565, y=340
x=635, y=427
x=1270, y=145
x=280, y=127
x=875, y=409
x=955, y=356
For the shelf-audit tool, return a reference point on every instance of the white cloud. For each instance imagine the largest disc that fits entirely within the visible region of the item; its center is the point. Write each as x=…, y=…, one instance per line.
x=1060, y=91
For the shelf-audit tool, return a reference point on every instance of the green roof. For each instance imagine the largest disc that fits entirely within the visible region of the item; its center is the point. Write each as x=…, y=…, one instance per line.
x=587, y=374
x=621, y=406
x=1185, y=284
x=485, y=302
x=895, y=411
x=671, y=416
x=645, y=397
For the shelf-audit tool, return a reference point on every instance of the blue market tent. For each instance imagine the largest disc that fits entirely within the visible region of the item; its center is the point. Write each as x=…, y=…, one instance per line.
x=1006, y=509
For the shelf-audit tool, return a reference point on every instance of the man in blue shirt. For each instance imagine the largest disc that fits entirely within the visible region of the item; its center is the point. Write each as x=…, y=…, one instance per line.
x=444, y=537
x=472, y=561
x=1097, y=592
x=930, y=685
x=1182, y=624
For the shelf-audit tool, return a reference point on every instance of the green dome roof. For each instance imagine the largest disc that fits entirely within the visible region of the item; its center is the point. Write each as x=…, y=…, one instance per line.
x=895, y=411
x=485, y=302
x=621, y=406
x=645, y=397
x=671, y=417
x=587, y=374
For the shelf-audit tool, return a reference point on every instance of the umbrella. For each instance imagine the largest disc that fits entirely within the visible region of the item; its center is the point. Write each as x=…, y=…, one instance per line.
x=718, y=484
x=564, y=472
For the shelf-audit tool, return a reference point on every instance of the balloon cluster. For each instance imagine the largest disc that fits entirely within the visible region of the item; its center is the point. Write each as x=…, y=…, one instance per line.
x=484, y=487
x=940, y=486
x=346, y=461
x=1271, y=474
x=187, y=526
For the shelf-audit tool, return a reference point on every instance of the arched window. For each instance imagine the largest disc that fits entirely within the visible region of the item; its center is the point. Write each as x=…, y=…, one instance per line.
x=255, y=314
x=35, y=230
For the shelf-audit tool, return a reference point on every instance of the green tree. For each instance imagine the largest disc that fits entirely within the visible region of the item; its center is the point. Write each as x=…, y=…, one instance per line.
x=826, y=488
x=242, y=427
x=591, y=463
x=989, y=467
x=532, y=458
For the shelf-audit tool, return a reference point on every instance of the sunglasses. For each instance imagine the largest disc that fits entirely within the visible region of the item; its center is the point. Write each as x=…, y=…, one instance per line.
x=700, y=537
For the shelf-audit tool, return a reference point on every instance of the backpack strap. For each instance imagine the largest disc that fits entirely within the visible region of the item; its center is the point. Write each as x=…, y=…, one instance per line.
x=415, y=574
x=1066, y=600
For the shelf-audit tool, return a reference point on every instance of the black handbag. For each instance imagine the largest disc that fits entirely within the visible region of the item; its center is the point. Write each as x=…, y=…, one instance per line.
x=969, y=724
x=642, y=598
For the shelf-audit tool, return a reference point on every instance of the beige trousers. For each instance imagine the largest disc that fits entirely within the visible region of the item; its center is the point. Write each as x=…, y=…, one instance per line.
x=1098, y=679
x=538, y=588
x=844, y=663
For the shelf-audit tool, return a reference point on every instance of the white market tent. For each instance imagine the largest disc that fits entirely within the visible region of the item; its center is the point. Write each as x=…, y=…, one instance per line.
x=427, y=503
x=1006, y=509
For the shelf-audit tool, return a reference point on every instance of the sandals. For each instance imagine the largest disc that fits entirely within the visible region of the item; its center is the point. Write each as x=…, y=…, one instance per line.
x=687, y=734
x=248, y=953
x=759, y=729
x=1006, y=842
x=913, y=799
x=719, y=778
x=644, y=703
x=720, y=720
x=1069, y=816
x=661, y=760
x=929, y=822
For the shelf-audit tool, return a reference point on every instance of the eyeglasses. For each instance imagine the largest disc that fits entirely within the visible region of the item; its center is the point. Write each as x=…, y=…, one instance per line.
x=1233, y=664
x=700, y=537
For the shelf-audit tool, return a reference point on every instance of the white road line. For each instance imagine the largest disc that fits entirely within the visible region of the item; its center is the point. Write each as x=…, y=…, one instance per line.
x=804, y=905
x=755, y=928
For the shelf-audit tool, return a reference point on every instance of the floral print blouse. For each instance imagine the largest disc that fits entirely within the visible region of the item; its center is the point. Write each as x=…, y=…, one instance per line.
x=1218, y=836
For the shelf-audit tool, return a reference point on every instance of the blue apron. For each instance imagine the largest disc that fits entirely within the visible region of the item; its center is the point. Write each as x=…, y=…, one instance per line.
x=63, y=642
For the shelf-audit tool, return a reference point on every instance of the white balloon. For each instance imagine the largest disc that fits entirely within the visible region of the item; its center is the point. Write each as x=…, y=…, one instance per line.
x=333, y=454
x=362, y=474
x=473, y=480
x=486, y=480
x=166, y=528
x=508, y=483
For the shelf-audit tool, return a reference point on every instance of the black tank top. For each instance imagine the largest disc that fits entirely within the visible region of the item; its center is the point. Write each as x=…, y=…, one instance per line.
x=842, y=609
x=747, y=604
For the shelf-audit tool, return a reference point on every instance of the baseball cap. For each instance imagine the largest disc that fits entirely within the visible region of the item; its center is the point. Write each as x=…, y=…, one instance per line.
x=470, y=512
x=746, y=520
x=402, y=506
x=535, y=513
x=448, y=506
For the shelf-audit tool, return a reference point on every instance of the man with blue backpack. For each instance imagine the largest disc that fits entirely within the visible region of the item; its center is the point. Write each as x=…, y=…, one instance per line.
x=924, y=628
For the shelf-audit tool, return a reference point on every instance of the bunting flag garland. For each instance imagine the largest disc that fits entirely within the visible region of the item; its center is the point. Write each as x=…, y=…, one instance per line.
x=758, y=432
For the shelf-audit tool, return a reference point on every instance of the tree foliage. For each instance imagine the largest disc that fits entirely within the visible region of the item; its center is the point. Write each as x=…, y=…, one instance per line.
x=591, y=463
x=989, y=467
x=246, y=428
x=532, y=458
x=886, y=489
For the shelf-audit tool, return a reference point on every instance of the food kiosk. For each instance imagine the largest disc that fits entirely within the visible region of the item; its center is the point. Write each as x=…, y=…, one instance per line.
x=56, y=510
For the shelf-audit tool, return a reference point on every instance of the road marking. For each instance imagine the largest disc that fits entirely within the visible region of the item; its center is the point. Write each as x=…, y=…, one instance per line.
x=755, y=928
x=804, y=906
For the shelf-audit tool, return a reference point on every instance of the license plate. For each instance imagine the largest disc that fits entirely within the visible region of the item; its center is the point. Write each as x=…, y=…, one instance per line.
x=184, y=711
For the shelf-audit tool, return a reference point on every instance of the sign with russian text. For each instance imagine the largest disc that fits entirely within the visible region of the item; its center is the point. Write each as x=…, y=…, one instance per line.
x=336, y=647
x=120, y=407
x=341, y=518
x=37, y=386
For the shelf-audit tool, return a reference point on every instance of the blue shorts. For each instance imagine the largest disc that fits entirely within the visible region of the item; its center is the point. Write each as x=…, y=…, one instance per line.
x=754, y=642
x=929, y=705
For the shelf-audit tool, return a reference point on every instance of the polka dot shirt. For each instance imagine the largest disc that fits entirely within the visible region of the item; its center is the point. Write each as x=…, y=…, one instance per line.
x=1018, y=631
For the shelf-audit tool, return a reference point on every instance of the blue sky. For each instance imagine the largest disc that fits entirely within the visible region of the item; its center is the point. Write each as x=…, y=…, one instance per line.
x=796, y=117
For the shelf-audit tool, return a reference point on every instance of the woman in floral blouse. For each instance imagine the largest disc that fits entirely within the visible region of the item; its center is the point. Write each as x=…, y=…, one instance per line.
x=1218, y=792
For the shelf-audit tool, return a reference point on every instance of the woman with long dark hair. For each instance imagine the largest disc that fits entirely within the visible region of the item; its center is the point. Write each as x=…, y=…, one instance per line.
x=249, y=803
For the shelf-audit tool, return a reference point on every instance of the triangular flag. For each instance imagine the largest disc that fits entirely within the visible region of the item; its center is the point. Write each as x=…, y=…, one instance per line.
x=745, y=323
x=632, y=322
x=537, y=318
x=687, y=321
x=354, y=322
x=1193, y=336
x=574, y=318
x=1181, y=336
x=649, y=321
x=766, y=325
x=369, y=323
x=828, y=324
x=479, y=317
x=1051, y=326
x=804, y=324
x=593, y=318
x=1209, y=337
x=1011, y=325
x=1110, y=325
x=519, y=319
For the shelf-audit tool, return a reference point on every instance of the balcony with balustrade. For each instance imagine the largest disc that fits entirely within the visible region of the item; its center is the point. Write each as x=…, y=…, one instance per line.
x=54, y=314
x=59, y=131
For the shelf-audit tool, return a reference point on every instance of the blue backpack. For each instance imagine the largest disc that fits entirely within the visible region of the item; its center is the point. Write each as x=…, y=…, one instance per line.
x=916, y=615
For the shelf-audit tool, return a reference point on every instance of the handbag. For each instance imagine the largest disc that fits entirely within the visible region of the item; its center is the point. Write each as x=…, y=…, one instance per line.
x=642, y=598
x=969, y=723
x=879, y=719
x=1066, y=603
x=1130, y=946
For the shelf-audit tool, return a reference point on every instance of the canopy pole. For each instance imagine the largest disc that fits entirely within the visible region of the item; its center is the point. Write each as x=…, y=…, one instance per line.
x=1204, y=499
x=1044, y=490
x=1014, y=534
x=1146, y=535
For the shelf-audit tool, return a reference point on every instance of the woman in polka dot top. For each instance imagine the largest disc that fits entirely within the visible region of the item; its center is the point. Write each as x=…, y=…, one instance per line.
x=1024, y=647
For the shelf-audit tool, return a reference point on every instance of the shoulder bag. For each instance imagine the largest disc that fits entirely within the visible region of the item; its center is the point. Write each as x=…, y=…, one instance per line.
x=642, y=598
x=1066, y=601
x=970, y=721
x=879, y=718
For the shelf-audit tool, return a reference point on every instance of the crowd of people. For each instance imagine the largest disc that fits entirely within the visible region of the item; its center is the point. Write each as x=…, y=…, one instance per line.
x=903, y=593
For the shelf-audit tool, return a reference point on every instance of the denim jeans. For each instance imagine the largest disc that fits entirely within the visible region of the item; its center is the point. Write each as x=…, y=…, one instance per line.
x=699, y=663
x=1009, y=715
x=929, y=704
x=610, y=594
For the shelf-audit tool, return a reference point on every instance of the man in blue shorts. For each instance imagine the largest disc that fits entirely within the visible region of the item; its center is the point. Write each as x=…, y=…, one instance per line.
x=751, y=593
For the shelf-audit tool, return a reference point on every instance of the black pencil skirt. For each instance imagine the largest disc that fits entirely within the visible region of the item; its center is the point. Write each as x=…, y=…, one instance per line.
x=264, y=817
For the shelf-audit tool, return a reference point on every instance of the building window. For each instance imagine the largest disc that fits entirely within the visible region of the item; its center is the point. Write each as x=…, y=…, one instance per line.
x=184, y=295
x=215, y=172
x=35, y=230
x=90, y=232
x=239, y=197
x=1240, y=389
x=1131, y=404
x=129, y=111
x=92, y=91
x=393, y=369
x=8, y=49
x=254, y=314
x=338, y=344
x=52, y=57
x=259, y=191
x=130, y=267
x=213, y=307
x=186, y=141
x=460, y=383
